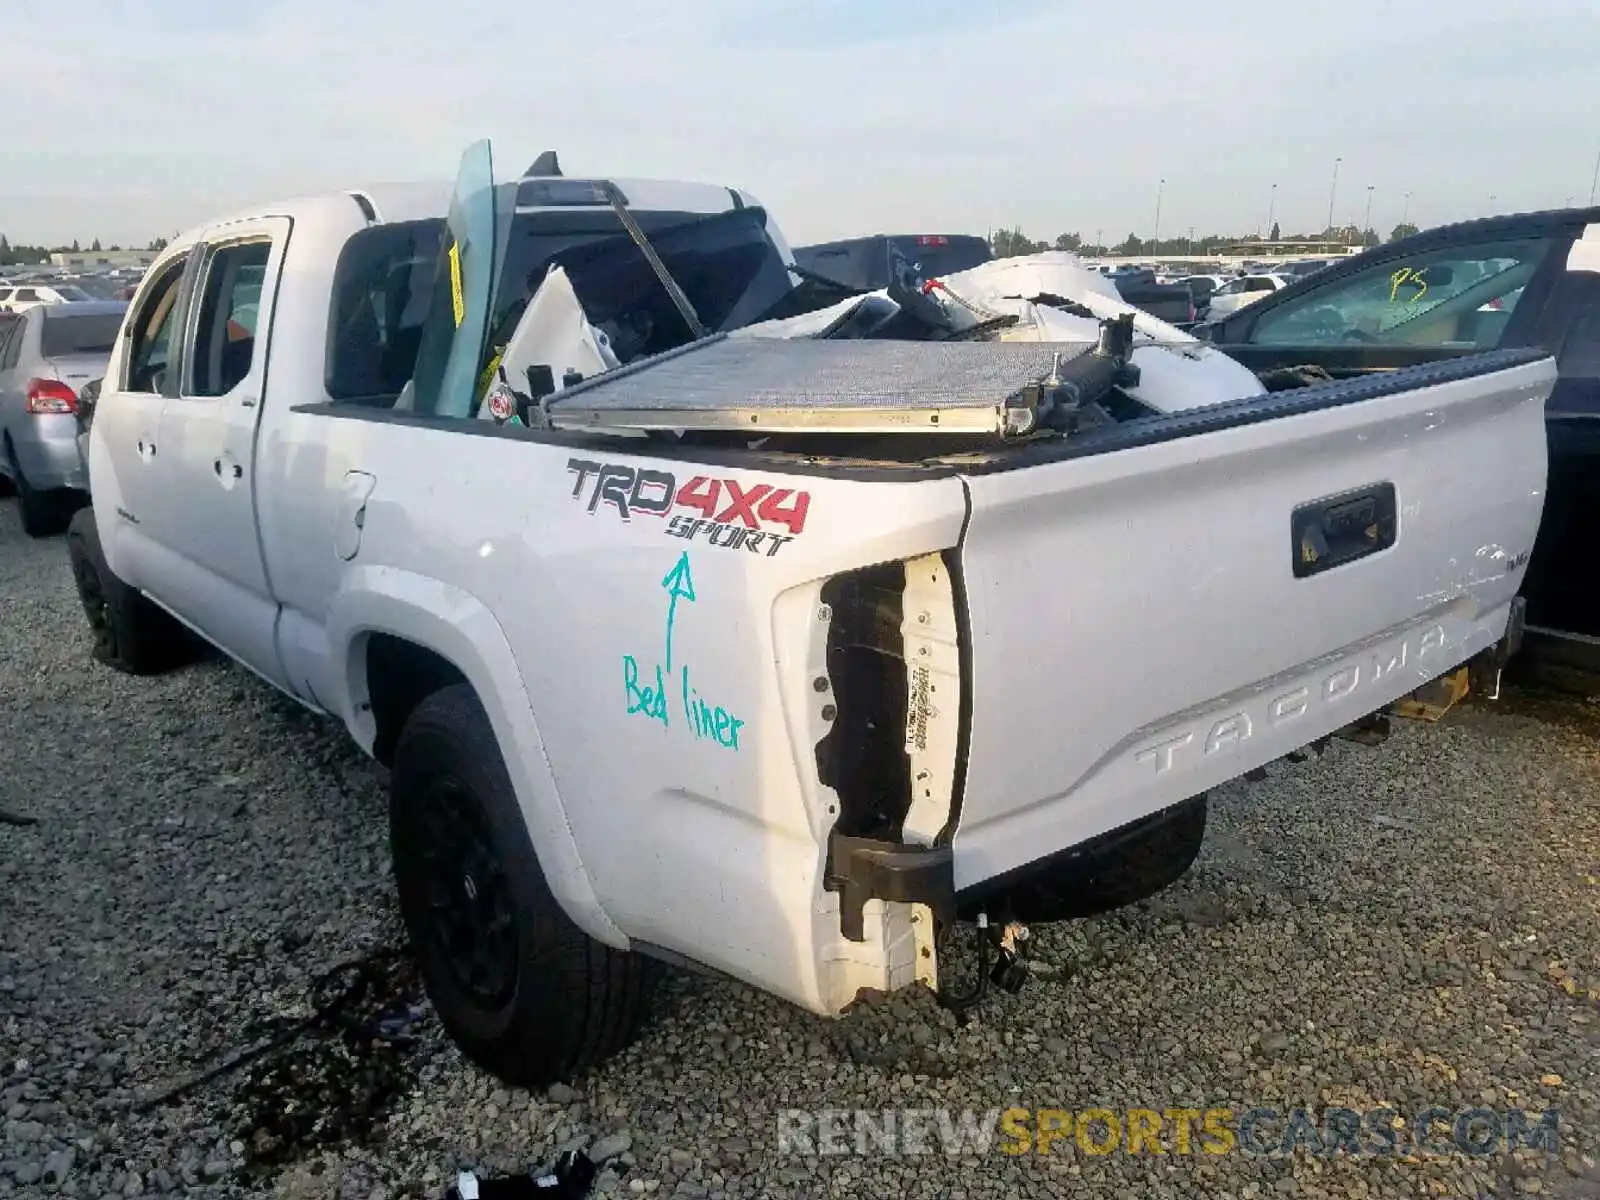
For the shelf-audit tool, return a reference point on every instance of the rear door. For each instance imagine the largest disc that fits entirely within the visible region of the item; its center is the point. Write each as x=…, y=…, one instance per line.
x=212, y=570
x=1211, y=591
x=125, y=460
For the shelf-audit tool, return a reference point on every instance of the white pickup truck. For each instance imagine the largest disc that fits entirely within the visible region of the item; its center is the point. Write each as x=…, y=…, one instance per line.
x=696, y=623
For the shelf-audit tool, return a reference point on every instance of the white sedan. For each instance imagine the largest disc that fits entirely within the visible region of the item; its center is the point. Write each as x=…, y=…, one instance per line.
x=1247, y=289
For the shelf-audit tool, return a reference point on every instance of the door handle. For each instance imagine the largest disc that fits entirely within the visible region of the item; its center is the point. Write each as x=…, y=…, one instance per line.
x=147, y=450
x=234, y=469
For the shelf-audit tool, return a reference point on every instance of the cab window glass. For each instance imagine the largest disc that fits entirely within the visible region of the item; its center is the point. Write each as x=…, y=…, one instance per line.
x=382, y=291
x=225, y=330
x=151, y=330
x=1460, y=296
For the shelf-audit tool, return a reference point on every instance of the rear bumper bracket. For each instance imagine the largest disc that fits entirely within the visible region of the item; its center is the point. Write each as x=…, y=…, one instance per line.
x=862, y=869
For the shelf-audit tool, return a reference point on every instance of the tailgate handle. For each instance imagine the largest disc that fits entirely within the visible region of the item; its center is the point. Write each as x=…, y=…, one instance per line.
x=1336, y=530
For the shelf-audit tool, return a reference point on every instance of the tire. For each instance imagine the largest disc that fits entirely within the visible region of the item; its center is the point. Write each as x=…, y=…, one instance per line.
x=44, y=514
x=520, y=989
x=131, y=634
x=1127, y=866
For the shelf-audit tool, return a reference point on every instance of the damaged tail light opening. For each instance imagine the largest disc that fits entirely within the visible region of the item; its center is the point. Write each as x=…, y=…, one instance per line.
x=50, y=397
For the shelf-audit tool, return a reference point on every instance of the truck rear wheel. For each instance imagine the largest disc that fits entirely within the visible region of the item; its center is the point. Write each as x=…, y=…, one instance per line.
x=523, y=991
x=130, y=633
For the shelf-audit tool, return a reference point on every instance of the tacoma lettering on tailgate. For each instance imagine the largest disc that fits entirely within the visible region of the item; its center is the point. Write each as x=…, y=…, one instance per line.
x=730, y=515
x=1211, y=735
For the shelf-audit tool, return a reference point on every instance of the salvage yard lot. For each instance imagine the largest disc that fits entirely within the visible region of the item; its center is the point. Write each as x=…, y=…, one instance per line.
x=1404, y=926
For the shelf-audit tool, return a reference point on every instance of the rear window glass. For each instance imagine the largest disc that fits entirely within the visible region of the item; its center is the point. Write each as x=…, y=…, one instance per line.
x=725, y=263
x=78, y=333
x=381, y=292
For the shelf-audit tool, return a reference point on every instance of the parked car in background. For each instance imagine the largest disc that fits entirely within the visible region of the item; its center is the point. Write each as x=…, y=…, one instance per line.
x=15, y=299
x=47, y=356
x=1243, y=291
x=1169, y=302
x=863, y=263
x=1299, y=270
x=1201, y=289
x=1522, y=280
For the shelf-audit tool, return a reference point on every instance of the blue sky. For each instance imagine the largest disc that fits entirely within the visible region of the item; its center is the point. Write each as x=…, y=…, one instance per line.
x=843, y=117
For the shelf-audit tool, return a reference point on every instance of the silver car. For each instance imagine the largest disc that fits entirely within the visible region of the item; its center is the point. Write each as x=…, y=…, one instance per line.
x=47, y=358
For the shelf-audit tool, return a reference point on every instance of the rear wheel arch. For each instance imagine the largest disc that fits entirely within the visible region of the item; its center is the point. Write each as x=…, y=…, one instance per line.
x=399, y=674
x=422, y=646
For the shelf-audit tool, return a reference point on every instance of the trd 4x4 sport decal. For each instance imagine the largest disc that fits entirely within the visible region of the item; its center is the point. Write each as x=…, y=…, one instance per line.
x=760, y=518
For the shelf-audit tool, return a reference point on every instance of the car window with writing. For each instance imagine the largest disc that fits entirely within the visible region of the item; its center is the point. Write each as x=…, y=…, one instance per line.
x=1454, y=297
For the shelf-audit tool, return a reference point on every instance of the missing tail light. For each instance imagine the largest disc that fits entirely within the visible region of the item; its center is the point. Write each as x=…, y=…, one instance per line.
x=863, y=757
x=50, y=397
x=892, y=754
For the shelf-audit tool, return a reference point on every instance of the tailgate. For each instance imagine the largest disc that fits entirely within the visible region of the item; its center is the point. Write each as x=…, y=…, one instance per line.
x=1204, y=593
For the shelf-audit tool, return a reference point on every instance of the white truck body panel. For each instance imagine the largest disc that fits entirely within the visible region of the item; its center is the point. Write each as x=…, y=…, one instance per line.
x=1126, y=615
x=1174, y=608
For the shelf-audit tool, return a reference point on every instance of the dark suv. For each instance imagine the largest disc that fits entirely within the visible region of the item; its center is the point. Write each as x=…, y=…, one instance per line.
x=862, y=264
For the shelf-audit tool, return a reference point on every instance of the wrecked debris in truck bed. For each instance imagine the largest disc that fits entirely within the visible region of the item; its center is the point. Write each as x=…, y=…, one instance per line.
x=818, y=386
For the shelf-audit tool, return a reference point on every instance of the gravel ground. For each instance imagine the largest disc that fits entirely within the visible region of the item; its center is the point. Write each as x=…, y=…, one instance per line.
x=1398, y=926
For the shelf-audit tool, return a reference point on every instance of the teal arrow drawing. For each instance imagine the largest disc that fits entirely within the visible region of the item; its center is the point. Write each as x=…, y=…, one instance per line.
x=679, y=585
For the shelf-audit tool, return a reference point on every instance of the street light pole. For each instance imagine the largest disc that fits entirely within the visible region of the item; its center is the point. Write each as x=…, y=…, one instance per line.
x=1366, y=225
x=1594, y=182
x=1155, y=237
x=1332, y=188
x=1272, y=208
x=1405, y=215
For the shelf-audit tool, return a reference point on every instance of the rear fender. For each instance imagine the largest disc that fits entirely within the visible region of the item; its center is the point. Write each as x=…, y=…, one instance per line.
x=459, y=628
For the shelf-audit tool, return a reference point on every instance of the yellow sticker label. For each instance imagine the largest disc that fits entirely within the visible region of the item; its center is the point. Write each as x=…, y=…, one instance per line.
x=457, y=300
x=487, y=375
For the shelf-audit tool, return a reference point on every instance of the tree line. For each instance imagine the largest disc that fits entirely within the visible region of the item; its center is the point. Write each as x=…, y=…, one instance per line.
x=18, y=255
x=1006, y=243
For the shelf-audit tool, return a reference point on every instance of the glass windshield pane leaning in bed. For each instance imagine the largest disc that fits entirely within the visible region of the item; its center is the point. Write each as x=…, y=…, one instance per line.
x=726, y=263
